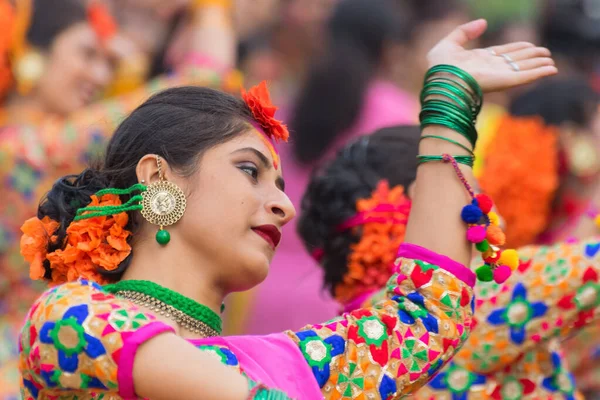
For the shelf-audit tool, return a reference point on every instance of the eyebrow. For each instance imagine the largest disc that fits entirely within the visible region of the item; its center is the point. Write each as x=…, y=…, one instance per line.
x=279, y=182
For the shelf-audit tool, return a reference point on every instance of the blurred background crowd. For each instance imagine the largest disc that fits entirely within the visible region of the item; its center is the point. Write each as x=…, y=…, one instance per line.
x=71, y=69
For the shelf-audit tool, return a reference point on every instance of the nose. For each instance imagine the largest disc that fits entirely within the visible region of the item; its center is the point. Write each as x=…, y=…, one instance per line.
x=281, y=206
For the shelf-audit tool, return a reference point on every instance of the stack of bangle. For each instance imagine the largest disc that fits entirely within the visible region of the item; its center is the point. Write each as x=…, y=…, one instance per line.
x=453, y=99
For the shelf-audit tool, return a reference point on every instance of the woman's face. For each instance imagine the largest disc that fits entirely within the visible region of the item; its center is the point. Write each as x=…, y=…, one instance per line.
x=77, y=69
x=235, y=211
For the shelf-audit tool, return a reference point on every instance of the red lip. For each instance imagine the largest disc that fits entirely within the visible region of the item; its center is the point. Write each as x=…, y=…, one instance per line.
x=270, y=233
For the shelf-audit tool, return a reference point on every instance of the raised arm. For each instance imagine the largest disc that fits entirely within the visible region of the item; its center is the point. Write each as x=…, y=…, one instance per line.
x=397, y=345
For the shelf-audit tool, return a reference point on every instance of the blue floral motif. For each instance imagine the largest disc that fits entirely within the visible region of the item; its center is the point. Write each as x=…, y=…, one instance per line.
x=518, y=313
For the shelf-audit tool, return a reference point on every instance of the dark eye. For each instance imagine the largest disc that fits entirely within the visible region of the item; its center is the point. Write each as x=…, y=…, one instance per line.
x=250, y=170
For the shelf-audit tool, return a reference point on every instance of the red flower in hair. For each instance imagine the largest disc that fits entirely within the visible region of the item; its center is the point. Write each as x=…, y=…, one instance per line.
x=102, y=21
x=259, y=102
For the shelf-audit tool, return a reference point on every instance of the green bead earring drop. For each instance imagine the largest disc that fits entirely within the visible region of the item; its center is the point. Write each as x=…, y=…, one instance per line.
x=163, y=237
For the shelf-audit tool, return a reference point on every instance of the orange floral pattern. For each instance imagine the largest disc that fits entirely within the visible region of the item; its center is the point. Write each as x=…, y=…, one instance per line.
x=37, y=235
x=371, y=260
x=263, y=110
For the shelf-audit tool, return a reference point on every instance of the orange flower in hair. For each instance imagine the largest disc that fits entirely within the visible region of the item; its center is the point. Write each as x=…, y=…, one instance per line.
x=99, y=242
x=382, y=219
x=521, y=175
x=102, y=21
x=37, y=235
x=259, y=102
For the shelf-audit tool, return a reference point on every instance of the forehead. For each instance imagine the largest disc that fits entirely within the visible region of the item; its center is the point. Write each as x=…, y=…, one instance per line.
x=249, y=139
x=81, y=32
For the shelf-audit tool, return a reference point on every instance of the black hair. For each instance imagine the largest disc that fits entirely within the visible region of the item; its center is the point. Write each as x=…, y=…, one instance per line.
x=558, y=100
x=572, y=29
x=331, y=196
x=178, y=124
x=357, y=35
x=52, y=17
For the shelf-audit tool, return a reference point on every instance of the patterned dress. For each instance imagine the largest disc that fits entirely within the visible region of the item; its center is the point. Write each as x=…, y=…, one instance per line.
x=31, y=159
x=79, y=341
x=514, y=351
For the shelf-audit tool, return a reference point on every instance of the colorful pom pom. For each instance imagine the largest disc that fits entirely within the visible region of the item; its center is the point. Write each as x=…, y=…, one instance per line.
x=485, y=203
x=495, y=235
x=494, y=218
x=471, y=214
x=476, y=234
x=485, y=273
x=501, y=274
x=482, y=246
x=510, y=258
x=492, y=258
x=597, y=220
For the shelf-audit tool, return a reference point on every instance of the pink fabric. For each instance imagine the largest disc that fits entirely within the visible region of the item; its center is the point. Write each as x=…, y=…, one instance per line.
x=414, y=252
x=273, y=360
x=358, y=301
x=292, y=295
x=130, y=347
x=362, y=218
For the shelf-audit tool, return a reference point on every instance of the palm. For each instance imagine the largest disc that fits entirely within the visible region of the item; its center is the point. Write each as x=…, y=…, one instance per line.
x=497, y=68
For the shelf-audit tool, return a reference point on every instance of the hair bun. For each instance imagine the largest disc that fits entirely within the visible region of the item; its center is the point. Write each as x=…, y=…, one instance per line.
x=70, y=193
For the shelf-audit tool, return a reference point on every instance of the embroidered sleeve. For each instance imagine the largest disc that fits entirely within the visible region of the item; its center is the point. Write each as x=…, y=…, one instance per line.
x=397, y=345
x=554, y=292
x=80, y=338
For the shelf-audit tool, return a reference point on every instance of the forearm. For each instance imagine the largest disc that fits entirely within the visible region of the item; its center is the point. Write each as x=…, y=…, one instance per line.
x=435, y=221
x=166, y=367
x=213, y=35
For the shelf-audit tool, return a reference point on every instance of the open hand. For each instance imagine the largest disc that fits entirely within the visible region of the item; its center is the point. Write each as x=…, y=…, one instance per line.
x=495, y=68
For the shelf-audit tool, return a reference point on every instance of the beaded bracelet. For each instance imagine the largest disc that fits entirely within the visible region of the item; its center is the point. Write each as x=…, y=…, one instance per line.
x=484, y=231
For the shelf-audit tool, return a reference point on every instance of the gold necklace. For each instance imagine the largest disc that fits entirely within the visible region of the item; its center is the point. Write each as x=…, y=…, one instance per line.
x=183, y=320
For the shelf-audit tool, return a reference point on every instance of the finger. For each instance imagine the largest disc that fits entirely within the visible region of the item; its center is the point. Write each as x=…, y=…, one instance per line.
x=527, y=53
x=510, y=47
x=533, y=63
x=467, y=32
x=523, y=77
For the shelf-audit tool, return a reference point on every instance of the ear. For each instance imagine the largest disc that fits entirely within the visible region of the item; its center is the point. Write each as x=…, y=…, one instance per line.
x=147, y=169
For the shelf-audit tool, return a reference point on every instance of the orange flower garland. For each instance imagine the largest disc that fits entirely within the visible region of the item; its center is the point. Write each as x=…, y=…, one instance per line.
x=91, y=244
x=521, y=175
x=371, y=260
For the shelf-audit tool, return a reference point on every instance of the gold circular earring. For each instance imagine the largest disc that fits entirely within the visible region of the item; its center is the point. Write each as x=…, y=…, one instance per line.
x=163, y=204
x=28, y=69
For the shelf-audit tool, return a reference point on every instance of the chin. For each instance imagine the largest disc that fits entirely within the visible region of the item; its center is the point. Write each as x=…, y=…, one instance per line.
x=252, y=272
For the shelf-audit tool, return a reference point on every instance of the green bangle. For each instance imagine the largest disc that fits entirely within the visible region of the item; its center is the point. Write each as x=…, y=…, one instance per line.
x=465, y=76
x=465, y=160
x=462, y=146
